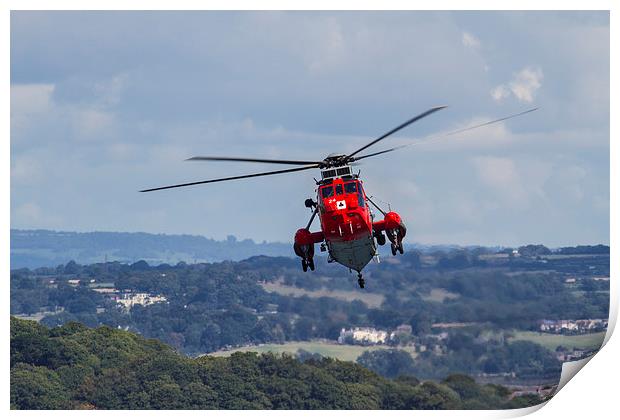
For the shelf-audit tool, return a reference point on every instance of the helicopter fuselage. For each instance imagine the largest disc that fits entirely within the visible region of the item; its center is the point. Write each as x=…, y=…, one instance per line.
x=346, y=222
x=348, y=231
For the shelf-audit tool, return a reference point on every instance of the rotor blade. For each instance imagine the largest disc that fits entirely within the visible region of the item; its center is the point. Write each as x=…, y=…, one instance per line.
x=442, y=136
x=235, y=159
x=232, y=178
x=376, y=153
x=400, y=127
x=490, y=122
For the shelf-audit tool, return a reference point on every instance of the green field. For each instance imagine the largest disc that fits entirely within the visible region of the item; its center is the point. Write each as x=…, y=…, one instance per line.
x=552, y=341
x=372, y=300
x=343, y=352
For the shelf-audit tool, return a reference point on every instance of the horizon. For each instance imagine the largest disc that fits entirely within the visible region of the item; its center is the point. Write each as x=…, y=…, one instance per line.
x=258, y=242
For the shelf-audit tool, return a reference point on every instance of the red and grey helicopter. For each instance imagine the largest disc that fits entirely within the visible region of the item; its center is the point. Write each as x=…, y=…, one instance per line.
x=349, y=232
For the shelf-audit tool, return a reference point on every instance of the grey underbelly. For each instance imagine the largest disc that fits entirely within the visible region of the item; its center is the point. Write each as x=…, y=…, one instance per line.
x=353, y=254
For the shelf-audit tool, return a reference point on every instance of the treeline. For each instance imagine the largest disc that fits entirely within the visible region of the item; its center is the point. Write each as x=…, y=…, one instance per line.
x=585, y=249
x=211, y=306
x=74, y=367
x=523, y=359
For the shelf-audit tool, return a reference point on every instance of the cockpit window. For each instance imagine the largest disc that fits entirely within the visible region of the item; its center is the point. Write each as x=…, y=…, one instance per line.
x=327, y=192
x=338, y=189
x=350, y=187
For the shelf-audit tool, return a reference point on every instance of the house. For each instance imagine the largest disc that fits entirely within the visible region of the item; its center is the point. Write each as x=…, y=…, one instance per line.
x=362, y=335
x=579, y=325
x=128, y=300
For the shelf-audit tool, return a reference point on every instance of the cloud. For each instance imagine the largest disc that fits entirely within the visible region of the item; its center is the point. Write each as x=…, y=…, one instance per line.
x=28, y=101
x=35, y=111
x=470, y=41
x=92, y=119
x=90, y=123
x=33, y=215
x=526, y=83
x=31, y=98
x=496, y=172
x=523, y=86
x=501, y=175
x=500, y=92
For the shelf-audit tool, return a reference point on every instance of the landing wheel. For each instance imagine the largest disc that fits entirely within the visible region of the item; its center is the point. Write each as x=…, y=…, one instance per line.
x=360, y=280
x=381, y=239
x=304, y=265
x=400, y=248
x=393, y=247
x=311, y=263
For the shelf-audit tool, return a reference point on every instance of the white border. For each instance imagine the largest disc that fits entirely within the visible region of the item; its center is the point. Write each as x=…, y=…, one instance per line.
x=591, y=395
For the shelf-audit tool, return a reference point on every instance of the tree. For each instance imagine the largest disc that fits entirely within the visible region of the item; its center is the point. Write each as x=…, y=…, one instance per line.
x=389, y=363
x=37, y=388
x=104, y=368
x=464, y=385
x=432, y=396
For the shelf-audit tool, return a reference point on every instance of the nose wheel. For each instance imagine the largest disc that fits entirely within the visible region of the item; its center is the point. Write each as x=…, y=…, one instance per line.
x=360, y=280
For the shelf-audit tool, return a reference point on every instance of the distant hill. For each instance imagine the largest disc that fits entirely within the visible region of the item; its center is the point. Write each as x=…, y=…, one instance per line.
x=48, y=248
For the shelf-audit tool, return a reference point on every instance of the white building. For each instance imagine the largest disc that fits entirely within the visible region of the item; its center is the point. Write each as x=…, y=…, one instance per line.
x=579, y=325
x=363, y=335
x=128, y=300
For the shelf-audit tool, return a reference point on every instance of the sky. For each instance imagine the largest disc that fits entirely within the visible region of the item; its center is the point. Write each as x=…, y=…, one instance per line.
x=104, y=104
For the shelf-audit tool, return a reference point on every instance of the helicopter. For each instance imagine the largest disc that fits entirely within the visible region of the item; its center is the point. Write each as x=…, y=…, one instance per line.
x=349, y=232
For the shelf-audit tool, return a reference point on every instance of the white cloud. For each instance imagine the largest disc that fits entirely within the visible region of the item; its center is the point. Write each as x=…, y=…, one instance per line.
x=470, y=41
x=31, y=98
x=29, y=101
x=500, y=93
x=34, y=111
x=496, y=172
x=526, y=83
x=89, y=123
x=523, y=86
x=502, y=176
x=31, y=214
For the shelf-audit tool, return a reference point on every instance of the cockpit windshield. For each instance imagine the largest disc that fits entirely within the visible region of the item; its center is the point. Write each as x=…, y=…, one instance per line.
x=327, y=192
x=350, y=187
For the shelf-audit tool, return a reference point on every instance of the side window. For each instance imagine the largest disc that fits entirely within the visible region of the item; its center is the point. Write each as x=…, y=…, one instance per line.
x=338, y=189
x=360, y=197
x=350, y=187
x=327, y=192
